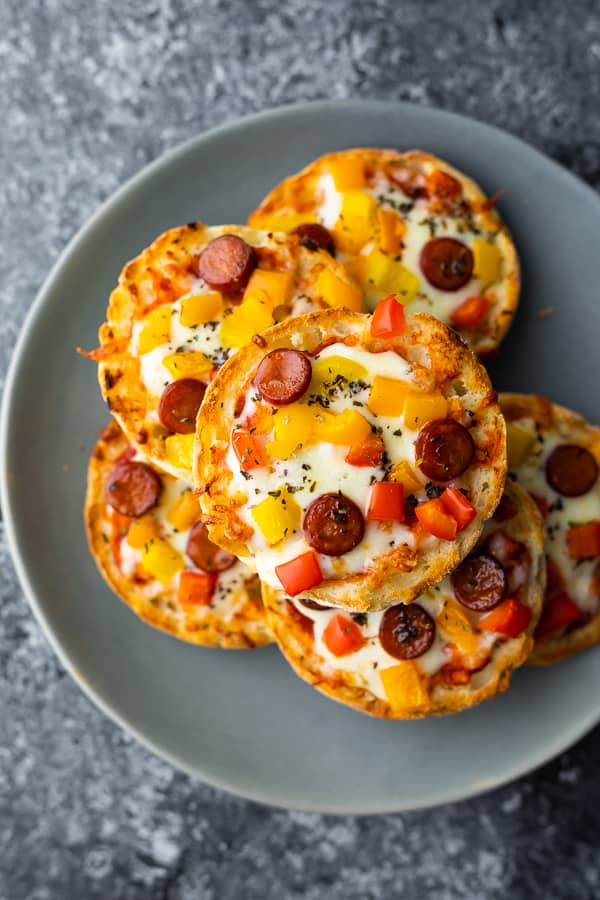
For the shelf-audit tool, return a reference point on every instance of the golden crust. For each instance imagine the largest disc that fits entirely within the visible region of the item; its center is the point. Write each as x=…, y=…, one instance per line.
x=440, y=359
x=159, y=275
x=574, y=429
x=244, y=628
x=295, y=194
x=298, y=646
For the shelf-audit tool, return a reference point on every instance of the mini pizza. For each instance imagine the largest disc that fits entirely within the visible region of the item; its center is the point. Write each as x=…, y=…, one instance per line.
x=144, y=533
x=408, y=223
x=351, y=458
x=183, y=307
x=554, y=454
x=453, y=647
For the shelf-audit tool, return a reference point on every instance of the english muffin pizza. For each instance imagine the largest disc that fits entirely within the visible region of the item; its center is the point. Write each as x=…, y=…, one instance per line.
x=453, y=647
x=554, y=454
x=144, y=533
x=351, y=459
x=408, y=223
x=183, y=306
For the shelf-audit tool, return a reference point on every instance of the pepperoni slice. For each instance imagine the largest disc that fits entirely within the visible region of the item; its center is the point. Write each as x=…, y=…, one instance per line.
x=226, y=263
x=283, y=376
x=444, y=449
x=133, y=488
x=506, y=509
x=333, y=524
x=179, y=405
x=406, y=632
x=446, y=263
x=479, y=582
x=312, y=604
x=571, y=470
x=314, y=237
x=204, y=554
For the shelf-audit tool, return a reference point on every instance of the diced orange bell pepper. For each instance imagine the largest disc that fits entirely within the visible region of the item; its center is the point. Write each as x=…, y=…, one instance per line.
x=584, y=540
x=336, y=292
x=391, y=231
x=470, y=312
x=346, y=428
x=179, y=450
x=386, y=502
x=511, y=617
x=421, y=408
x=458, y=506
x=486, y=261
x=184, y=512
x=156, y=330
x=142, y=531
x=342, y=636
x=388, y=318
x=275, y=286
x=247, y=449
x=387, y=396
x=201, y=308
x=434, y=519
x=348, y=172
x=404, y=473
x=404, y=687
x=300, y=574
x=559, y=611
x=369, y=453
x=196, y=588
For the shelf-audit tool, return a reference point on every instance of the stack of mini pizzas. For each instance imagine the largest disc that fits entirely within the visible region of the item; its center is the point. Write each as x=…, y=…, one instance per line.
x=306, y=446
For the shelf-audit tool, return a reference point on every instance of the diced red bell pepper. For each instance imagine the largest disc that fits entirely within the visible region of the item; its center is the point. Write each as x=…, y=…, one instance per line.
x=470, y=312
x=386, y=502
x=559, y=611
x=584, y=540
x=247, y=449
x=458, y=506
x=369, y=453
x=434, y=519
x=196, y=588
x=388, y=319
x=511, y=617
x=300, y=574
x=342, y=636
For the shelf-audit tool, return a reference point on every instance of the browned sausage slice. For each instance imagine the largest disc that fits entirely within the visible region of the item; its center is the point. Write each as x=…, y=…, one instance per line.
x=204, y=554
x=506, y=509
x=406, y=631
x=479, y=582
x=133, y=488
x=179, y=405
x=446, y=263
x=444, y=449
x=314, y=236
x=283, y=376
x=333, y=524
x=571, y=470
x=226, y=263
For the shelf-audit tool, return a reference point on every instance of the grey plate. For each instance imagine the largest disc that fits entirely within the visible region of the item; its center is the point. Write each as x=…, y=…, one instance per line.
x=243, y=721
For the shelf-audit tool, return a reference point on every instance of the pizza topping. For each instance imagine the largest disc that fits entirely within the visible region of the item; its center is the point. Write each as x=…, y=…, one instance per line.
x=206, y=555
x=283, y=376
x=470, y=312
x=333, y=524
x=446, y=263
x=583, y=541
x=436, y=520
x=226, y=263
x=179, y=405
x=314, y=236
x=133, y=488
x=444, y=449
x=511, y=618
x=571, y=470
x=506, y=509
x=300, y=574
x=559, y=612
x=342, y=636
x=406, y=631
x=196, y=588
x=386, y=502
x=388, y=318
x=479, y=582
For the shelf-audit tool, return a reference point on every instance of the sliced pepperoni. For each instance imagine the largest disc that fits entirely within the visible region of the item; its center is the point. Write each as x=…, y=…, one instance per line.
x=479, y=582
x=283, y=376
x=133, y=488
x=571, y=470
x=315, y=237
x=446, y=263
x=179, y=405
x=312, y=604
x=444, y=449
x=333, y=524
x=506, y=509
x=204, y=554
x=226, y=263
x=406, y=631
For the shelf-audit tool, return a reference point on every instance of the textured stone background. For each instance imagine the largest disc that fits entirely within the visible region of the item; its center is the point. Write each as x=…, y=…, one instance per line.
x=89, y=93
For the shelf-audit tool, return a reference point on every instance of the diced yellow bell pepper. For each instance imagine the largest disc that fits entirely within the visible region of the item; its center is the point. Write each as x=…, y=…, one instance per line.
x=327, y=369
x=421, y=408
x=251, y=317
x=191, y=364
x=454, y=623
x=156, y=330
x=184, y=512
x=346, y=428
x=161, y=560
x=336, y=292
x=284, y=221
x=520, y=441
x=278, y=515
x=276, y=286
x=293, y=427
x=348, y=172
x=391, y=231
x=141, y=532
x=387, y=396
x=403, y=473
x=383, y=272
x=201, y=308
x=179, y=450
x=404, y=687
x=357, y=222
x=486, y=261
